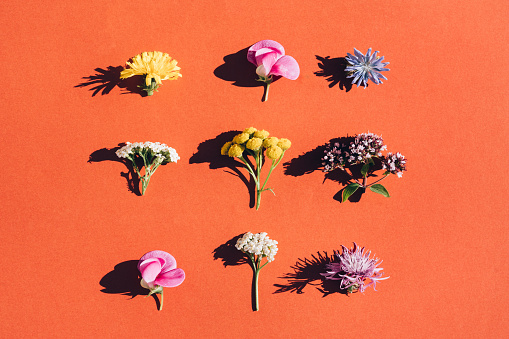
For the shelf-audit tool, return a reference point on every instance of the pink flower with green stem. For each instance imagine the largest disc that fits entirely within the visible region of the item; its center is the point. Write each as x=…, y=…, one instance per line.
x=159, y=269
x=270, y=60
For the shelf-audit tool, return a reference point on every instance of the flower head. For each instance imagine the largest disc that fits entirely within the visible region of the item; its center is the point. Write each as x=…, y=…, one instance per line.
x=156, y=66
x=159, y=269
x=270, y=59
x=225, y=148
x=258, y=244
x=151, y=150
x=364, y=147
x=284, y=144
x=365, y=67
x=274, y=152
x=254, y=144
x=272, y=141
x=354, y=268
x=241, y=138
x=394, y=163
x=250, y=130
x=262, y=134
x=236, y=151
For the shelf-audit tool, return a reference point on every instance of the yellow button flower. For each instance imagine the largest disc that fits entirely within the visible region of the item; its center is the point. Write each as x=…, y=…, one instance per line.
x=250, y=130
x=284, y=144
x=236, y=151
x=274, y=152
x=254, y=144
x=262, y=134
x=272, y=141
x=241, y=138
x=225, y=148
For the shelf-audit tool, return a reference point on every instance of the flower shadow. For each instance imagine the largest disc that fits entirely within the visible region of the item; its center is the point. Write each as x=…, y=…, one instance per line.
x=229, y=254
x=312, y=161
x=238, y=69
x=125, y=280
x=209, y=152
x=307, y=272
x=108, y=154
x=105, y=80
x=334, y=72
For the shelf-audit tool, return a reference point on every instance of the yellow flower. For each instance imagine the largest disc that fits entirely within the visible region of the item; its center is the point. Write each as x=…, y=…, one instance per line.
x=156, y=65
x=262, y=134
x=235, y=151
x=225, y=148
x=272, y=141
x=250, y=130
x=274, y=152
x=284, y=144
x=241, y=138
x=254, y=144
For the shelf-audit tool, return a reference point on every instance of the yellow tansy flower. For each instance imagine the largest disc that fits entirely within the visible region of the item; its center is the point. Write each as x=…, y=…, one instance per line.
x=274, y=152
x=225, y=148
x=250, y=130
x=254, y=144
x=284, y=144
x=272, y=141
x=241, y=138
x=262, y=134
x=236, y=150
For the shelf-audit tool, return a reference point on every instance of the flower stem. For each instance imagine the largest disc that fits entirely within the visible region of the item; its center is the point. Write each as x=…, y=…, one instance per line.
x=374, y=182
x=255, y=290
x=144, y=183
x=161, y=301
x=266, y=95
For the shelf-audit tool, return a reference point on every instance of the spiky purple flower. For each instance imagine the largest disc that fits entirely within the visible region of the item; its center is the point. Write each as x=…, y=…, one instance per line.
x=365, y=67
x=394, y=163
x=354, y=268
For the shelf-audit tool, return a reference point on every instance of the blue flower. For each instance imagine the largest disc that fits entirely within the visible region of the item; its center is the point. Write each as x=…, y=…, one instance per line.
x=365, y=67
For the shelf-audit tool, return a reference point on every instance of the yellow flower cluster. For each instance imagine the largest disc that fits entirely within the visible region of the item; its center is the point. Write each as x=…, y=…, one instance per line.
x=255, y=140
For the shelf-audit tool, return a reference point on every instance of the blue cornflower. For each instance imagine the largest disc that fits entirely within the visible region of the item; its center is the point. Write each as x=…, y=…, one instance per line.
x=365, y=67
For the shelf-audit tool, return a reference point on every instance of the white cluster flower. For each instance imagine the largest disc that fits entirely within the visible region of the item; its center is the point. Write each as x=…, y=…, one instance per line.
x=394, y=163
x=162, y=152
x=258, y=244
x=365, y=146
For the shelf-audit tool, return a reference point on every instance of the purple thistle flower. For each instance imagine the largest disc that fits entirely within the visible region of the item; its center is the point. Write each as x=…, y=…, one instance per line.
x=354, y=268
x=365, y=67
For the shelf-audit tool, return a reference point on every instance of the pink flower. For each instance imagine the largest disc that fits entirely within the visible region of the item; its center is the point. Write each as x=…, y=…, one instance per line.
x=270, y=60
x=159, y=269
x=354, y=268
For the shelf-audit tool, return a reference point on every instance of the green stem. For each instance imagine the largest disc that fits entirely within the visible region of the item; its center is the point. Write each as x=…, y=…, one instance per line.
x=144, y=183
x=266, y=96
x=378, y=180
x=161, y=301
x=255, y=290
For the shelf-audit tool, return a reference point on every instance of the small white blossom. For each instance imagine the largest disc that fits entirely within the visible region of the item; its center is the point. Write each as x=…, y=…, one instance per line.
x=258, y=244
x=161, y=152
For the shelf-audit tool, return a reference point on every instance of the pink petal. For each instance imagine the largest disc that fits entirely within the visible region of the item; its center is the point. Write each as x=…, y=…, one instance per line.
x=150, y=269
x=168, y=262
x=171, y=278
x=275, y=46
x=287, y=67
x=267, y=58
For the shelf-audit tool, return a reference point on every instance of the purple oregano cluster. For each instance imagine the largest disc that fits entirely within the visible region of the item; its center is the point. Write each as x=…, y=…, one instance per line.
x=363, y=151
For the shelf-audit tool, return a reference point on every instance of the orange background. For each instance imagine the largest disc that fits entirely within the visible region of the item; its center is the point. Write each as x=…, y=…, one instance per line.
x=66, y=223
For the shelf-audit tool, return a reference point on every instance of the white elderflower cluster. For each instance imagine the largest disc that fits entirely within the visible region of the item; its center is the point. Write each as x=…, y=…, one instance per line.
x=258, y=244
x=162, y=153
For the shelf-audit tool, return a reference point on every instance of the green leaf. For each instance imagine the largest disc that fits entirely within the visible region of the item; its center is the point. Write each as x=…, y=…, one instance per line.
x=349, y=190
x=365, y=169
x=377, y=188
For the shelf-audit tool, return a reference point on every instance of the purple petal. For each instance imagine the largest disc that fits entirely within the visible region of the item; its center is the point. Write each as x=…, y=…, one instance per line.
x=275, y=46
x=171, y=278
x=287, y=67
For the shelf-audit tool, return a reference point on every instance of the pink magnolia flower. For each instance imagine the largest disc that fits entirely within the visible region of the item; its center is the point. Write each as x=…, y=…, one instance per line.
x=159, y=269
x=270, y=60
